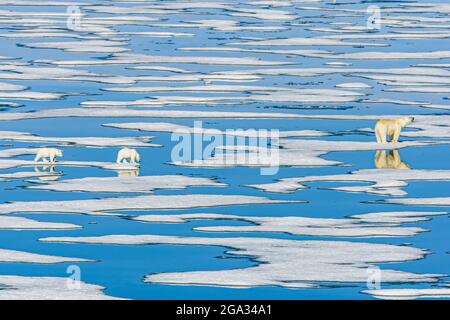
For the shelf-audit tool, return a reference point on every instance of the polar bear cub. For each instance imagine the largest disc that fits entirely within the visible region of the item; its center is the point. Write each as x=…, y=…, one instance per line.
x=50, y=153
x=128, y=154
x=391, y=128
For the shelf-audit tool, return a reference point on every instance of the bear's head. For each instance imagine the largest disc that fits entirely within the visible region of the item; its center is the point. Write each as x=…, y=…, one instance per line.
x=405, y=121
x=59, y=153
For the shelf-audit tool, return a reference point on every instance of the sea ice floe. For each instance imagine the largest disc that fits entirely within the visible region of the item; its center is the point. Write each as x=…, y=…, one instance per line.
x=129, y=58
x=171, y=127
x=97, y=142
x=11, y=87
x=161, y=101
x=304, y=42
x=387, y=55
x=258, y=93
x=104, y=206
x=139, y=184
x=48, y=288
x=406, y=80
x=371, y=225
x=431, y=202
x=314, y=72
x=130, y=113
x=45, y=173
x=410, y=293
x=386, y=182
x=353, y=85
x=220, y=25
x=294, y=152
x=14, y=163
x=25, y=72
x=97, y=46
x=11, y=153
x=13, y=256
x=420, y=88
x=285, y=263
x=30, y=95
x=19, y=223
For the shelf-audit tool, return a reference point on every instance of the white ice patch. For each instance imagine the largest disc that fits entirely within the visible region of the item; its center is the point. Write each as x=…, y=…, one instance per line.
x=11, y=87
x=386, y=182
x=8, y=164
x=371, y=225
x=139, y=184
x=408, y=294
x=98, y=142
x=171, y=127
x=304, y=42
x=96, y=46
x=294, y=152
x=258, y=93
x=104, y=206
x=11, y=153
x=431, y=202
x=353, y=85
x=129, y=58
x=19, y=223
x=285, y=263
x=13, y=256
x=128, y=113
x=48, y=288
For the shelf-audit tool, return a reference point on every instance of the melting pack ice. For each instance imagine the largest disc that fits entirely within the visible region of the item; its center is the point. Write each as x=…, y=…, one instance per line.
x=48, y=288
x=386, y=182
x=370, y=225
x=131, y=63
x=285, y=263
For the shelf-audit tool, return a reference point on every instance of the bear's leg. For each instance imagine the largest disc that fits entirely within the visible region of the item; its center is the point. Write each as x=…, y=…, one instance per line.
x=38, y=157
x=381, y=138
x=132, y=159
x=395, y=136
x=379, y=157
x=52, y=159
x=378, y=137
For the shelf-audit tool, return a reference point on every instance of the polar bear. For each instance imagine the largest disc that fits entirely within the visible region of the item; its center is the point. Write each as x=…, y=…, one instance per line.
x=128, y=154
x=50, y=153
x=389, y=161
x=391, y=128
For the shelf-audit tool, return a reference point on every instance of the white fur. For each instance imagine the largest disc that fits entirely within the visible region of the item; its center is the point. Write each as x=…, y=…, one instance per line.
x=391, y=128
x=128, y=154
x=50, y=153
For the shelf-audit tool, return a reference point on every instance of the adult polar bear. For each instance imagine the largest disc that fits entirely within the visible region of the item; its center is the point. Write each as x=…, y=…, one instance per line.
x=50, y=153
x=128, y=154
x=391, y=128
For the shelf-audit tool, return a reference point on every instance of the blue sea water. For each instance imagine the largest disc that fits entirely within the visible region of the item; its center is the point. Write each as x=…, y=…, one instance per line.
x=121, y=268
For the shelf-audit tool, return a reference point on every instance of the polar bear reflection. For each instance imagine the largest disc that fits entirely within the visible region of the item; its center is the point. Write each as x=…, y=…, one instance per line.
x=49, y=173
x=389, y=161
x=128, y=173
